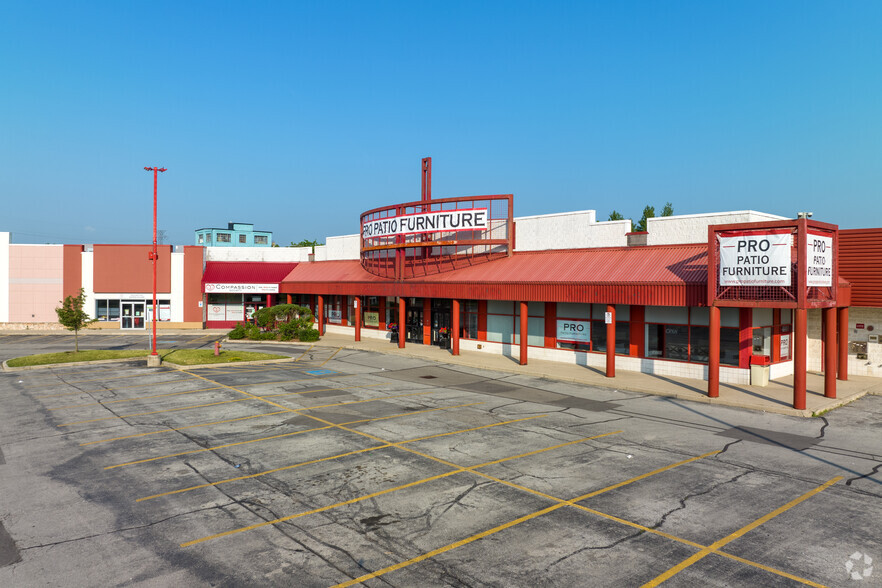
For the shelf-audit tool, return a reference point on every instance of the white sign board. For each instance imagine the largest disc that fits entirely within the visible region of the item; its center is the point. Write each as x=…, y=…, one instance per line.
x=570, y=331
x=607, y=318
x=217, y=312
x=427, y=222
x=755, y=259
x=253, y=288
x=335, y=316
x=819, y=266
x=785, y=346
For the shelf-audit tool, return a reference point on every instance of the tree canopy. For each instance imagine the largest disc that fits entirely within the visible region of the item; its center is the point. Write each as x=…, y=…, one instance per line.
x=72, y=316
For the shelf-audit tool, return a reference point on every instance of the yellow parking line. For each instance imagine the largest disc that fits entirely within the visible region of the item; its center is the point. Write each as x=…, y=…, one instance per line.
x=305, y=352
x=331, y=357
x=227, y=420
x=510, y=524
x=136, y=398
x=72, y=382
x=340, y=455
x=732, y=536
x=253, y=416
x=329, y=425
x=458, y=470
x=249, y=397
x=125, y=416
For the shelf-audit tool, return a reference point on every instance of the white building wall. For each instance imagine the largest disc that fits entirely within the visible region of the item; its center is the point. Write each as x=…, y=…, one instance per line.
x=87, y=280
x=177, y=288
x=568, y=230
x=4, y=277
x=266, y=254
x=692, y=228
x=343, y=247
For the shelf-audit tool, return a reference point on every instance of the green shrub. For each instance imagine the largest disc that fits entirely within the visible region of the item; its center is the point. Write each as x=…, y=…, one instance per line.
x=267, y=335
x=252, y=331
x=308, y=334
x=238, y=332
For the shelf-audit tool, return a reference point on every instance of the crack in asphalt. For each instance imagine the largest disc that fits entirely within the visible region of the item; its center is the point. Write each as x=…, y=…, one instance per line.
x=132, y=528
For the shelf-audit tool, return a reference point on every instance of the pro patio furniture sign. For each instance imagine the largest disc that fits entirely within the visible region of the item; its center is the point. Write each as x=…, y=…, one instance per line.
x=755, y=259
x=427, y=222
x=820, y=260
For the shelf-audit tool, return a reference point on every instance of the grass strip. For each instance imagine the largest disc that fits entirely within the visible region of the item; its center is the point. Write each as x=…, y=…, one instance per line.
x=178, y=356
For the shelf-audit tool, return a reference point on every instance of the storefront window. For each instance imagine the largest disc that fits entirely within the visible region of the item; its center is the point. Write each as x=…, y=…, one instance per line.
x=223, y=237
x=469, y=319
x=107, y=310
x=371, y=312
x=573, y=326
x=504, y=324
x=689, y=338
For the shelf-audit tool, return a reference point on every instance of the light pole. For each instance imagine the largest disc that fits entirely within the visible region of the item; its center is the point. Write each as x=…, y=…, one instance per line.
x=153, y=254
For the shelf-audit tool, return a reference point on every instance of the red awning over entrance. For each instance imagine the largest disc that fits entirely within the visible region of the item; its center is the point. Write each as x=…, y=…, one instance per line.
x=241, y=272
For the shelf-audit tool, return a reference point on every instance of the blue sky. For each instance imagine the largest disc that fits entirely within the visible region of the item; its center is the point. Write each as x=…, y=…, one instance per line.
x=297, y=116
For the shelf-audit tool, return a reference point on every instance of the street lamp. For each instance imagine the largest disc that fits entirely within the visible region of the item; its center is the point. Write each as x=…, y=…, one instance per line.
x=153, y=256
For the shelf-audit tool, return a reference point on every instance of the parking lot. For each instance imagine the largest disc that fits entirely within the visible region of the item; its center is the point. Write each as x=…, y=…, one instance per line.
x=341, y=467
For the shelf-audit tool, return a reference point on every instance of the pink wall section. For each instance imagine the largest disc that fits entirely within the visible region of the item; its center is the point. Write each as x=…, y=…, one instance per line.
x=36, y=281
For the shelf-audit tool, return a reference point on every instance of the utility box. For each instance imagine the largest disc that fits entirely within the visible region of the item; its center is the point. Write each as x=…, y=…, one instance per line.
x=760, y=366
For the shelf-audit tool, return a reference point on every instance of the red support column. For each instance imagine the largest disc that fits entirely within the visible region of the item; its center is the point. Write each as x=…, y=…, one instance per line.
x=713, y=362
x=320, y=313
x=843, y=343
x=356, y=308
x=290, y=300
x=269, y=300
x=427, y=321
x=830, y=352
x=401, y=316
x=799, y=355
x=454, y=331
x=525, y=326
x=611, y=342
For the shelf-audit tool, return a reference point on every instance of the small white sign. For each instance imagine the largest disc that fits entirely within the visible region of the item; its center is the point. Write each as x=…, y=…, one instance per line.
x=607, y=318
x=335, y=316
x=785, y=346
x=819, y=265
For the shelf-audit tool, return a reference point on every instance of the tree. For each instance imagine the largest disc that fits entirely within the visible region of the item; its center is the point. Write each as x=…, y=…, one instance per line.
x=668, y=210
x=616, y=215
x=306, y=243
x=648, y=212
x=72, y=315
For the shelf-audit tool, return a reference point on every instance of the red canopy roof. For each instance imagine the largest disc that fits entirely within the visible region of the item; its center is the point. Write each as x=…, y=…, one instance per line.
x=657, y=275
x=245, y=272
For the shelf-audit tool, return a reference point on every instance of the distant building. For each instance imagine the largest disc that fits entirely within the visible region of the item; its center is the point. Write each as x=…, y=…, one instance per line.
x=235, y=235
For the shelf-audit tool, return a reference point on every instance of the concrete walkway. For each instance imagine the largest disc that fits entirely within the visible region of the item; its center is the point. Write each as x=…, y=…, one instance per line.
x=777, y=397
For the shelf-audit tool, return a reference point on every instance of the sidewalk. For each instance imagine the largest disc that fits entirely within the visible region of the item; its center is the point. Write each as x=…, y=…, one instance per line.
x=777, y=397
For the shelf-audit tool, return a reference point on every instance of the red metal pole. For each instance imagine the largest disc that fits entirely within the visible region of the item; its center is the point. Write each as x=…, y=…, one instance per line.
x=401, y=316
x=320, y=313
x=611, y=342
x=713, y=363
x=830, y=352
x=455, y=329
x=525, y=326
x=843, y=343
x=154, y=255
x=357, y=305
x=799, y=355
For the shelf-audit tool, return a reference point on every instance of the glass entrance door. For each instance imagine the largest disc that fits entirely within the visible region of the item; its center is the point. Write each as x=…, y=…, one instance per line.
x=414, y=325
x=133, y=315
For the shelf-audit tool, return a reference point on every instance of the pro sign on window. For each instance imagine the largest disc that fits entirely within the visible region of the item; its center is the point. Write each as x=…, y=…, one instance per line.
x=570, y=331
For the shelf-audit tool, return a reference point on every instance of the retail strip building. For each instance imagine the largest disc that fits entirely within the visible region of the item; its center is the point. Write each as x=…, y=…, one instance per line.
x=464, y=273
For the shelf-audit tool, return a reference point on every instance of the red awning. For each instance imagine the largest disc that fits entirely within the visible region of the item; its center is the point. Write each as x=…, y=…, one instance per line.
x=658, y=275
x=242, y=272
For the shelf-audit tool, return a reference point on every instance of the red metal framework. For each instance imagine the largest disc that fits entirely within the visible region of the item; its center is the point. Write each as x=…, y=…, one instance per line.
x=431, y=252
x=797, y=294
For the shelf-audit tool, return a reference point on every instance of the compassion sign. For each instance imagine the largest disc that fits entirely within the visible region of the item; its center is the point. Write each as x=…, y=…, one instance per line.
x=427, y=222
x=755, y=259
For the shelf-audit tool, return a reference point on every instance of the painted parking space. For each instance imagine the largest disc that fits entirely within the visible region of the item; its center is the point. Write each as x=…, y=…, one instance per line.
x=396, y=478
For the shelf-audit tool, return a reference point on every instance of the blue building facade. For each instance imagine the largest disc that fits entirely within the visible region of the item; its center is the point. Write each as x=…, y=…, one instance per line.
x=235, y=235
